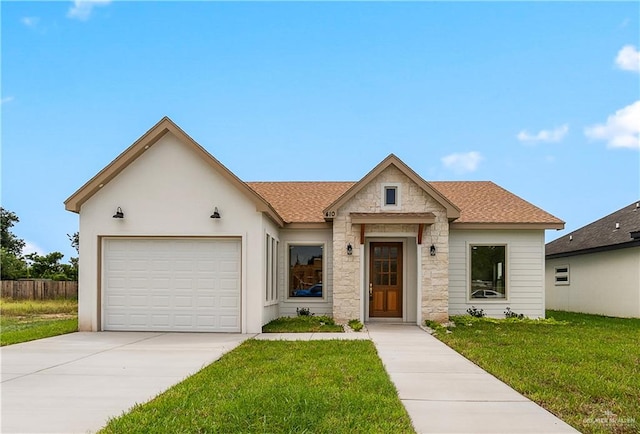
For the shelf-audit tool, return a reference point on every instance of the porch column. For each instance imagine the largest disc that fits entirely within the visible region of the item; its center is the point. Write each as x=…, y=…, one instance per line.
x=364, y=285
x=419, y=284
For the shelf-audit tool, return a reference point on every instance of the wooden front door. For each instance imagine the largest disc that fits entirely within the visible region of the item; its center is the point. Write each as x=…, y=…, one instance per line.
x=385, y=280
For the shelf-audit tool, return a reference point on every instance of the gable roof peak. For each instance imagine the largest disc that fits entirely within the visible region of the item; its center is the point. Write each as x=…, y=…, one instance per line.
x=145, y=142
x=453, y=212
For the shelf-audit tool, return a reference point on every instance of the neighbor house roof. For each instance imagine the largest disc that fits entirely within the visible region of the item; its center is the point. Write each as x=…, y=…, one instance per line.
x=615, y=231
x=480, y=203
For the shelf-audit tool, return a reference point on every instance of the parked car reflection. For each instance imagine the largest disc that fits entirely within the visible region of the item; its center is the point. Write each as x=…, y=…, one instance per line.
x=313, y=291
x=486, y=293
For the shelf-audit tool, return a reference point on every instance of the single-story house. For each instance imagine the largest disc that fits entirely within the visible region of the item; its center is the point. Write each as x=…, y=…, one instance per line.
x=596, y=269
x=170, y=239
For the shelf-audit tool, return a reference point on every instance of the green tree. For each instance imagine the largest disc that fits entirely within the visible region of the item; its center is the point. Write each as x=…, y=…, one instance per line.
x=75, y=243
x=49, y=267
x=8, y=240
x=13, y=267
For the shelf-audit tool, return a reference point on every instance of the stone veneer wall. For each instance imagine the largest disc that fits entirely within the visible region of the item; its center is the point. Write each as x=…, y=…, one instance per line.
x=435, y=269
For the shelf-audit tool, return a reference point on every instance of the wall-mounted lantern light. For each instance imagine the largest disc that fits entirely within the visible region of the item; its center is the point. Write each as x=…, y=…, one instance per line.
x=216, y=214
x=432, y=250
x=119, y=214
x=349, y=249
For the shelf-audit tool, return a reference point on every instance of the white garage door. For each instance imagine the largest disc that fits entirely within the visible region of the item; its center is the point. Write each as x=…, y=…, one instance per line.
x=171, y=285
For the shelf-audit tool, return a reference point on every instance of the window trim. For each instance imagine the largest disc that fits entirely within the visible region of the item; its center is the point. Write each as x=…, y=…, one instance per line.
x=387, y=185
x=271, y=271
x=557, y=273
x=507, y=282
x=287, y=261
x=267, y=269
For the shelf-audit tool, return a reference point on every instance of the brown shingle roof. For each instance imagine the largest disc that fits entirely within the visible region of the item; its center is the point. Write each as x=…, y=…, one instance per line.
x=300, y=202
x=479, y=202
x=601, y=234
x=486, y=202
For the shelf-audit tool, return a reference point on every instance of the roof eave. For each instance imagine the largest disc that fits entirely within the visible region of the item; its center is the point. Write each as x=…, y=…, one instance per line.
x=634, y=243
x=307, y=225
x=506, y=226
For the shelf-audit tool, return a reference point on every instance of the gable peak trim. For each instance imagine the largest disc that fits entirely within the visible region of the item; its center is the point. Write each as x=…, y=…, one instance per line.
x=145, y=142
x=453, y=212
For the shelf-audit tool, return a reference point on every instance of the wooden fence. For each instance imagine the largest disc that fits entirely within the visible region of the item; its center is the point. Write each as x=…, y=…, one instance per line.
x=38, y=289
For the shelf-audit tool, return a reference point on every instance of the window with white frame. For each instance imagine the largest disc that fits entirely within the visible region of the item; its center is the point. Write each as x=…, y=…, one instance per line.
x=561, y=275
x=271, y=269
x=391, y=195
x=306, y=268
x=488, y=269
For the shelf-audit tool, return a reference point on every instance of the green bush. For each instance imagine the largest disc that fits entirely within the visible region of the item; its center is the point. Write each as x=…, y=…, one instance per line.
x=355, y=325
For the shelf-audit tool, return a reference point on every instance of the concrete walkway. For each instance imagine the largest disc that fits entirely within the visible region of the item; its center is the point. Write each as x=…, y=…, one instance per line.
x=74, y=383
x=445, y=393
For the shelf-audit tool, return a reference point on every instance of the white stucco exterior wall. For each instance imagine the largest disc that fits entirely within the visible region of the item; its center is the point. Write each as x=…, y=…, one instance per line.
x=525, y=272
x=603, y=283
x=170, y=191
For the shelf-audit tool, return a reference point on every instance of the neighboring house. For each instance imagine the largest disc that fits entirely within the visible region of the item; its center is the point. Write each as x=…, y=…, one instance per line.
x=172, y=240
x=596, y=269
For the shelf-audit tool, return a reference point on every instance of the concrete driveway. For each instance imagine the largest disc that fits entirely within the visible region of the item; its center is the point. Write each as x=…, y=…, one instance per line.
x=74, y=383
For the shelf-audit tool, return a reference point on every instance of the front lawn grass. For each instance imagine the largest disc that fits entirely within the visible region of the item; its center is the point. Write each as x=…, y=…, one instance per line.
x=278, y=387
x=27, y=320
x=303, y=324
x=583, y=368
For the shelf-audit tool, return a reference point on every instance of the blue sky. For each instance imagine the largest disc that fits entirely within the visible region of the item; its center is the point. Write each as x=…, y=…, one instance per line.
x=542, y=98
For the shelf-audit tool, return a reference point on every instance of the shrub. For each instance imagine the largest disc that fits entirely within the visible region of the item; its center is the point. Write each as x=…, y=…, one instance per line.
x=303, y=311
x=355, y=325
x=434, y=325
x=478, y=313
x=509, y=314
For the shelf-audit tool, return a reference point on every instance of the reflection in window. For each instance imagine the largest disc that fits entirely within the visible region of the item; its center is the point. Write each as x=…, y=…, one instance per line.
x=305, y=271
x=488, y=272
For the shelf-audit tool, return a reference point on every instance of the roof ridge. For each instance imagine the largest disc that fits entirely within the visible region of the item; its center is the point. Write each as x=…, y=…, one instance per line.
x=298, y=182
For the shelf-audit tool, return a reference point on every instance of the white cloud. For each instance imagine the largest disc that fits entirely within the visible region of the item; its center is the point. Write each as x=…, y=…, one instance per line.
x=622, y=129
x=6, y=99
x=555, y=135
x=628, y=58
x=30, y=247
x=30, y=21
x=81, y=9
x=462, y=162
